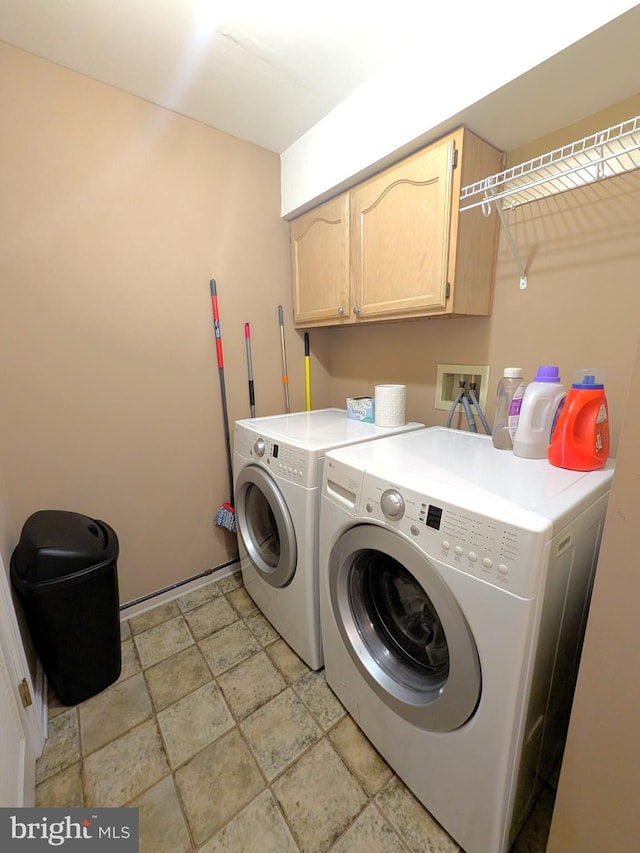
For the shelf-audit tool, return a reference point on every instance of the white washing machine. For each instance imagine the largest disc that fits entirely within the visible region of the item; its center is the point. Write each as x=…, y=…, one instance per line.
x=277, y=464
x=454, y=588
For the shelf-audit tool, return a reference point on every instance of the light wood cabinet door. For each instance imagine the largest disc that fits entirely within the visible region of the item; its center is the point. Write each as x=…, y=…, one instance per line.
x=320, y=263
x=397, y=246
x=400, y=226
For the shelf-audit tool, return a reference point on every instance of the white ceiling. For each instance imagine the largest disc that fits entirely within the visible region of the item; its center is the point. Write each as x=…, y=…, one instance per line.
x=269, y=70
x=263, y=70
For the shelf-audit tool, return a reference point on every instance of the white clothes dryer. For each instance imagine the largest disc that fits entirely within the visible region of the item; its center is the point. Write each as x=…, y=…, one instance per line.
x=454, y=588
x=277, y=464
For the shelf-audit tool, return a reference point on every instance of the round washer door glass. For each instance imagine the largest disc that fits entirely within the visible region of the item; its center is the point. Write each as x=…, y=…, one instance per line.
x=265, y=526
x=404, y=629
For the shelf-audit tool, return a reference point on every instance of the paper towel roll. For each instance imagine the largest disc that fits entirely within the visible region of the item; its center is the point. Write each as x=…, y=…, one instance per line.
x=390, y=405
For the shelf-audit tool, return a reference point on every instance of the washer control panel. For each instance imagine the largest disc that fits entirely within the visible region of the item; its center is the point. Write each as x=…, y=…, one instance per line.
x=473, y=543
x=285, y=460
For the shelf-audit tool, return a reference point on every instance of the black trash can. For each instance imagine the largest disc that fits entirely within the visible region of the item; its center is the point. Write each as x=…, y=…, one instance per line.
x=64, y=570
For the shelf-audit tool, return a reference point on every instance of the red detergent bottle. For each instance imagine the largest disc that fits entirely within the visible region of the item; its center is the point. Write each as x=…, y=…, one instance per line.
x=580, y=440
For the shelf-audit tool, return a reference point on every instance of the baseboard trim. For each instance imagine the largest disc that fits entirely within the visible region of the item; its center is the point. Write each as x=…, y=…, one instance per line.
x=169, y=593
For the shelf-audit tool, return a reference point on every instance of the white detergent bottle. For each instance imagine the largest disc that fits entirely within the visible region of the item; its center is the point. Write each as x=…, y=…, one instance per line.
x=541, y=404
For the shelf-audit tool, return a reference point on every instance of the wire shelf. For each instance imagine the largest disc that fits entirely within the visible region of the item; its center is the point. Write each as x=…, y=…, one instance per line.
x=602, y=155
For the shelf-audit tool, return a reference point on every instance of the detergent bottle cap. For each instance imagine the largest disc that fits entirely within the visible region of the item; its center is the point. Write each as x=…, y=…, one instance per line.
x=588, y=377
x=548, y=373
x=512, y=372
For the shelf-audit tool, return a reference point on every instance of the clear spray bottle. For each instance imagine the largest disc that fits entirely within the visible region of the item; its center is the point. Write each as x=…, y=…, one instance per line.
x=507, y=389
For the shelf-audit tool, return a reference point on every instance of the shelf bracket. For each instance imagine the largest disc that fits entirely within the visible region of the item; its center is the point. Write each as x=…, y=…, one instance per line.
x=486, y=210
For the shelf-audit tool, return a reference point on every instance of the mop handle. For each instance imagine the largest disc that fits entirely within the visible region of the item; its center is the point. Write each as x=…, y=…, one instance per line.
x=285, y=375
x=252, y=399
x=223, y=390
x=216, y=322
x=307, y=371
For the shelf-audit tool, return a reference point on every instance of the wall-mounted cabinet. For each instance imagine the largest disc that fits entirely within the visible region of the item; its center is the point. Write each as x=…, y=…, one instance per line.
x=394, y=247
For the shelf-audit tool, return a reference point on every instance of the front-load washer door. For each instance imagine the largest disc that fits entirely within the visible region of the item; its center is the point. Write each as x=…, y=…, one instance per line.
x=265, y=525
x=403, y=628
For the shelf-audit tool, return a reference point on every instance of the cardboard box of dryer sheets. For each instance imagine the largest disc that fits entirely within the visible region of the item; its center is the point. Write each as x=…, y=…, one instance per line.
x=361, y=409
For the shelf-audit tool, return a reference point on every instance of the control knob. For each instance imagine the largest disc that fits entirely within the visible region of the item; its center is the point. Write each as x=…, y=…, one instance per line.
x=392, y=504
x=259, y=447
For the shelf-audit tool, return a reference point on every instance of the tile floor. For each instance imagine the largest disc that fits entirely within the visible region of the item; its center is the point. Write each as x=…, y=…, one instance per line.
x=226, y=741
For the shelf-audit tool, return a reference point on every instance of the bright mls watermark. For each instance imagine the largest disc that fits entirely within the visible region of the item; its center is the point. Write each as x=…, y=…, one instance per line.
x=103, y=830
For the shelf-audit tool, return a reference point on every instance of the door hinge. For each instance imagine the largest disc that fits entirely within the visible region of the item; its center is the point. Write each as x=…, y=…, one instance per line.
x=455, y=158
x=447, y=292
x=25, y=693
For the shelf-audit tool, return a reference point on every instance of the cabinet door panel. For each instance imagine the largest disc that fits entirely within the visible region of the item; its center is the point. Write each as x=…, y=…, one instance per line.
x=400, y=223
x=320, y=260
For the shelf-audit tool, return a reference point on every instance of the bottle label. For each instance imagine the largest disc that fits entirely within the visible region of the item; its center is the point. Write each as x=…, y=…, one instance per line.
x=556, y=416
x=601, y=433
x=514, y=409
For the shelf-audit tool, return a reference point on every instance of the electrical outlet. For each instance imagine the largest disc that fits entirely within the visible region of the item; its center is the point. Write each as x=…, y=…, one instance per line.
x=448, y=380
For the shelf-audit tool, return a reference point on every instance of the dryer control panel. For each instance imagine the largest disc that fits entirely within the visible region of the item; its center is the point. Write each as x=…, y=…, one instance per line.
x=487, y=548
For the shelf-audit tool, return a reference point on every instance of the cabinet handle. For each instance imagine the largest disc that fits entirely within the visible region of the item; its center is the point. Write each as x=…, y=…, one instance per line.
x=356, y=310
x=341, y=310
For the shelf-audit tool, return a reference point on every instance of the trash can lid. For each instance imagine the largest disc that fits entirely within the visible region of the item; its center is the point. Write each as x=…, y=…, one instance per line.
x=55, y=543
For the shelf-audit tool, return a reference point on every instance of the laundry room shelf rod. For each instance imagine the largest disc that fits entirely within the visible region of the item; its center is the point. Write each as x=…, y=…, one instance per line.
x=605, y=154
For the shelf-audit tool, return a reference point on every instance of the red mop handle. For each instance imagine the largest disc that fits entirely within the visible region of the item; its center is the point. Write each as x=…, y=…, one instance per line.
x=216, y=322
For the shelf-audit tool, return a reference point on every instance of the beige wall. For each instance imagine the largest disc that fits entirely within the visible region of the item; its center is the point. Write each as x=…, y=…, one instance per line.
x=596, y=805
x=114, y=215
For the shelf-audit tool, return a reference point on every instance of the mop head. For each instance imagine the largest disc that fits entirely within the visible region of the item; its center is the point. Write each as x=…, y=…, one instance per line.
x=226, y=518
